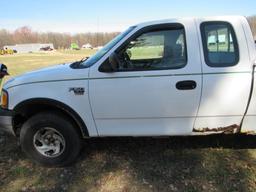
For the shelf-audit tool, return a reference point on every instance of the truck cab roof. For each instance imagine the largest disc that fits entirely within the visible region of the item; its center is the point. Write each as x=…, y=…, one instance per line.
x=179, y=19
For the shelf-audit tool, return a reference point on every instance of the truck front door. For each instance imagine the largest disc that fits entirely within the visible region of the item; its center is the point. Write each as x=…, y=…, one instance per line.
x=156, y=88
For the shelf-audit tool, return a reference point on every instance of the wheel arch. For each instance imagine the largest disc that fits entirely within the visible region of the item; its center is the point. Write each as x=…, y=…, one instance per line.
x=28, y=108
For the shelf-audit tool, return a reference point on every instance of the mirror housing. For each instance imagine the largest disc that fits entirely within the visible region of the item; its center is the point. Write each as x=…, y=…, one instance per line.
x=114, y=61
x=3, y=71
x=111, y=64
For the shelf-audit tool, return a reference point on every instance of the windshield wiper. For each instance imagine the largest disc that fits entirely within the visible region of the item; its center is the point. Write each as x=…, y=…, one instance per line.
x=77, y=63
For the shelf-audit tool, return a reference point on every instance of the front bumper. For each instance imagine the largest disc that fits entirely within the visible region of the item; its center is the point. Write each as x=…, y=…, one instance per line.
x=6, y=121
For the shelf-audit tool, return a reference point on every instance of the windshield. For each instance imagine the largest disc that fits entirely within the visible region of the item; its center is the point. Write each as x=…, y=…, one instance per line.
x=93, y=59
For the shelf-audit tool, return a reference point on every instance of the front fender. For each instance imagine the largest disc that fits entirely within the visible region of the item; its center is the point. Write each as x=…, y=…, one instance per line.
x=58, y=93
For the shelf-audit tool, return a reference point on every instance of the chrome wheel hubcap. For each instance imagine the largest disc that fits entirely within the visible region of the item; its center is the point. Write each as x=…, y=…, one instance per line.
x=49, y=142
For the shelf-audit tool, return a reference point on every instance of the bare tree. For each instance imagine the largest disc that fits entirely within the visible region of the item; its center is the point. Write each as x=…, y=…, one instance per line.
x=252, y=22
x=60, y=40
x=25, y=35
x=5, y=38
x=63, y=40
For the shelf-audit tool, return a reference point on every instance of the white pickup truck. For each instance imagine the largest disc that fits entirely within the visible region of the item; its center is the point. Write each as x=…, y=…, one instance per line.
x=191, y=76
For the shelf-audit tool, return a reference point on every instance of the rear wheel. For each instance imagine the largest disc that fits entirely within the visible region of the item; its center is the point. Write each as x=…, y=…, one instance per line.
x=50, y=139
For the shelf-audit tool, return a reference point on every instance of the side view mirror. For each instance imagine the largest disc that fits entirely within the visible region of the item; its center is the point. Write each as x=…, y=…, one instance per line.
x=3, y=70
x=111, y=65
x=114, y=61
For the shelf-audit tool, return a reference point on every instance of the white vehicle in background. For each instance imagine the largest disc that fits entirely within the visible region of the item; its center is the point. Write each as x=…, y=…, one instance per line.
x=191, y=76
x=87, y=46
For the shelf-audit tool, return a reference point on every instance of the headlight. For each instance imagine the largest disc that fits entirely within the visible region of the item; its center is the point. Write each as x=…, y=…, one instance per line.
x=4, y=99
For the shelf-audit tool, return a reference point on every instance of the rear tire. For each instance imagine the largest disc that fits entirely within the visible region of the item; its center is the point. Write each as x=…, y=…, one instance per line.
x=50, y=139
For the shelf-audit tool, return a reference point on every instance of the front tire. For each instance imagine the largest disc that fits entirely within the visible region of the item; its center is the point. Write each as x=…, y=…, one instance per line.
x=50, y=139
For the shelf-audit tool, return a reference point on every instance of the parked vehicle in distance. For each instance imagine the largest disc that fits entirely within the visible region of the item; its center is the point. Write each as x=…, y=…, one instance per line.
x=191, y=76
x=7, y=52
x=87, y=46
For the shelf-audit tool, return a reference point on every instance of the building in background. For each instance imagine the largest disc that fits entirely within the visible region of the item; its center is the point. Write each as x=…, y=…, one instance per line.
x=87, y=46
x=28, y=48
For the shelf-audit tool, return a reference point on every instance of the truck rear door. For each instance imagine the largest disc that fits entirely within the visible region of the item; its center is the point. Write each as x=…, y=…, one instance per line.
x=226, y=69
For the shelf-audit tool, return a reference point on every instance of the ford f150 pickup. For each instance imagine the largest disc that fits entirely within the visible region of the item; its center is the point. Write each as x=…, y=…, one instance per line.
x=190, y=76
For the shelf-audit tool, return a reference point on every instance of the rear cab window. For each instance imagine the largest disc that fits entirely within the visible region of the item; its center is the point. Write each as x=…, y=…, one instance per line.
x=219, y=44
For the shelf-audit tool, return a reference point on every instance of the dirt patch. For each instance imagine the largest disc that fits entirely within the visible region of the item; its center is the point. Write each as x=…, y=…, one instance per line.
x=208, y=163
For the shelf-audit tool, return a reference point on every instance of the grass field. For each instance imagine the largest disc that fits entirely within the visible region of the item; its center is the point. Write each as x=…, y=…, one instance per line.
x=21, y=63
x=190, y=164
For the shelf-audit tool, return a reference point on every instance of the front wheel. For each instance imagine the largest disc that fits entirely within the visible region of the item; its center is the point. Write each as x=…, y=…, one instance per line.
x=50, y=139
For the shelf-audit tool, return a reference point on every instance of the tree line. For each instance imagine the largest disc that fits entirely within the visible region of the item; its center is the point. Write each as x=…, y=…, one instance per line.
x=252, y=22
x=60, y=40
x=63, y=40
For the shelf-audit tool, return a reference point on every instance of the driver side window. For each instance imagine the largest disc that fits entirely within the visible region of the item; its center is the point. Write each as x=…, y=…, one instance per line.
x=155, y=50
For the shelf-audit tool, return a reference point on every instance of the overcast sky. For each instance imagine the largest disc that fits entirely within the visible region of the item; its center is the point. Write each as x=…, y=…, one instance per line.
x=74, y=16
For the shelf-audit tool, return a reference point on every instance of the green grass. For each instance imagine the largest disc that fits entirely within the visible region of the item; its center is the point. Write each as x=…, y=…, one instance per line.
x=20, y=171
x=146, y=52
x=21, y=63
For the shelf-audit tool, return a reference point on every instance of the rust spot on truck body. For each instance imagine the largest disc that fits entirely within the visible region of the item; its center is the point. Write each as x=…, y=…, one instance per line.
x=228, y=130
